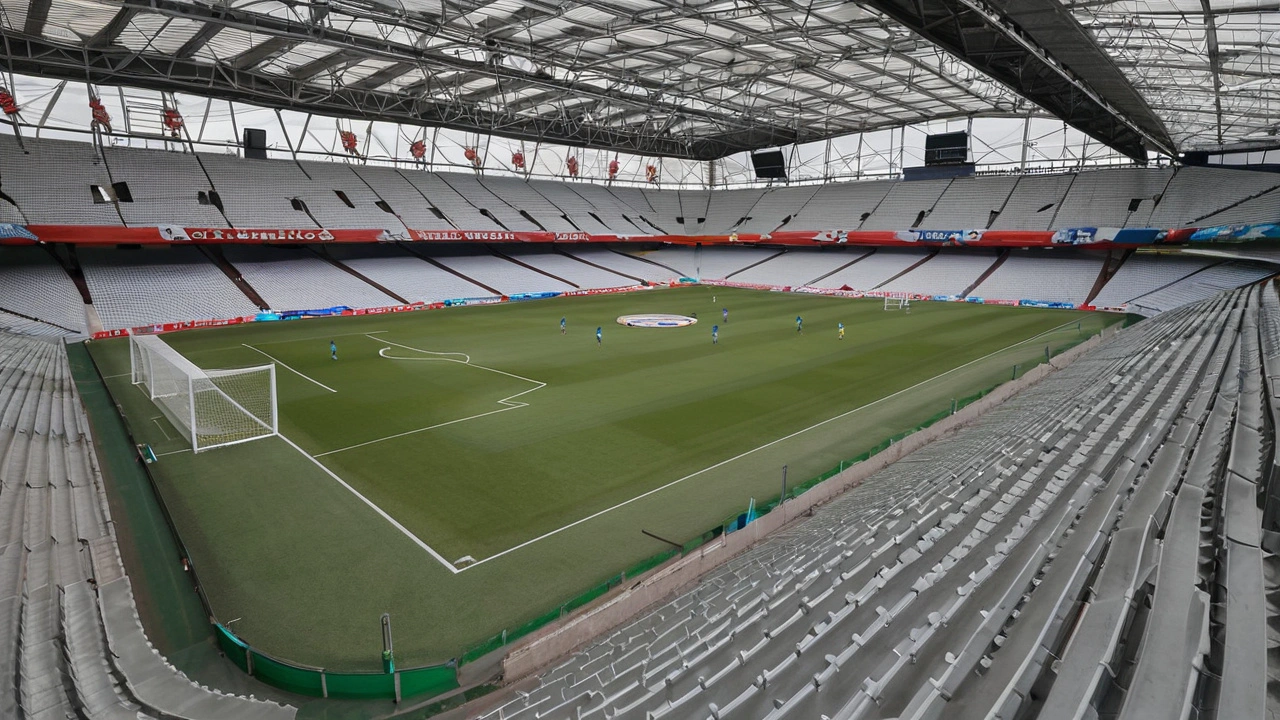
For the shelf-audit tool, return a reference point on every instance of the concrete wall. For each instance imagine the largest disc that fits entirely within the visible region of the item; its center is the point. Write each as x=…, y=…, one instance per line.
x=543, y=648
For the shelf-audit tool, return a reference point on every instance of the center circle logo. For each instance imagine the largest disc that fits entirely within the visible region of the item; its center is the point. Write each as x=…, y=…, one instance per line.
x=656, y=321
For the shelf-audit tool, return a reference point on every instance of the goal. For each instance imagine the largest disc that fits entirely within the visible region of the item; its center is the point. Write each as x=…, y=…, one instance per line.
x=211, y=408
x=897, y=301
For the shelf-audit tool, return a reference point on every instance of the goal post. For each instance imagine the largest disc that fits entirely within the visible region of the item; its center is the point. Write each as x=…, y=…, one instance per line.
x=211, y=408
x=897, y=301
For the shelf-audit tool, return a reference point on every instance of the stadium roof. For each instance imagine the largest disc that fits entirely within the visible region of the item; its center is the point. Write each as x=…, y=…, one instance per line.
x=689, y=79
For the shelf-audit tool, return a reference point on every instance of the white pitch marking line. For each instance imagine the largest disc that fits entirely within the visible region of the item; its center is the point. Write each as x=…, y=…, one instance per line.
x=173, y=452
x=756, y=449
x=286, y=367
x=108, y=377
x=417, y=540
x=509, y=402
x=156, y=420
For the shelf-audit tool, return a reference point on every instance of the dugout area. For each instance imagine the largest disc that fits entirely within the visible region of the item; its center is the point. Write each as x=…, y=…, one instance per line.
x=483, y=432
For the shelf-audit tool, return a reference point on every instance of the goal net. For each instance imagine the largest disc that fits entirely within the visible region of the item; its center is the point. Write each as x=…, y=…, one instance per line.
x=897, y=301
x=211, y=408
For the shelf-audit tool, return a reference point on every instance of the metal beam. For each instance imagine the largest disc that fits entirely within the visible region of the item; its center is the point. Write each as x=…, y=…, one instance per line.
x=119, y=66
x=109, y=32
x=383, y=76
x=37, y=16
x=335, y=59
x=196, y=42
x=259, y=53
x=998, y=49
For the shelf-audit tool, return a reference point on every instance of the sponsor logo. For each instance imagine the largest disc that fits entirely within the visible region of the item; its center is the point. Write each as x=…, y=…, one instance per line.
x=656, y=321
x=456, y=235
x=231, y=235
x=572, y=237
x=946, y=237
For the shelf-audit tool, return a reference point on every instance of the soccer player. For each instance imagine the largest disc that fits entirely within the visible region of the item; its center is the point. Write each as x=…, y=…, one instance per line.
x=599, y=336
x=333, y=350
x=563, y=321
x=715, y=334
x=799, y=324
x=840, y=326
x=725, y=313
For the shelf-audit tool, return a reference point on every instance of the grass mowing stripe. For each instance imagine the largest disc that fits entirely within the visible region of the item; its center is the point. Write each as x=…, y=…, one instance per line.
x=373, y=506
x=290, y=369
x=762, y=447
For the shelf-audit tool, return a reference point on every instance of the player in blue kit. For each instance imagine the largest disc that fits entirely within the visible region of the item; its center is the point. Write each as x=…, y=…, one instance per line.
x=799, y=324
x=840, y=327
x=333, y=350
x=563, y=321
x=599, y=336
x=715, y=334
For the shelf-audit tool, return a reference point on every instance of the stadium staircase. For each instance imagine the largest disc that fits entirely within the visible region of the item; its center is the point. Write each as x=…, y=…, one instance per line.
x=503, y=256
x=324, y=254
x=72, y=644
x=214, y=253
x=1004, y=255
x=1094, y=547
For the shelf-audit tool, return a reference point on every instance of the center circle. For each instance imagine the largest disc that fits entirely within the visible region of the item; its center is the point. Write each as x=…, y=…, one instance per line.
x=656, y=320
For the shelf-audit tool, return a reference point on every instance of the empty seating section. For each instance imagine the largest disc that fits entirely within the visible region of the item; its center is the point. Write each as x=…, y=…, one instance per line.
x=73, y=646
x=620, y=262
x=1199, y=286
x=574, y=271
x=1053, y=559
x=906, y=205
x=19, y=325
x=32, y=284
x=575, y=212
x=299, y=279
x=1102, y=198
x=730, y=209
x=359, y=209
x=52, y=181
x=502, y=275
x=708, y=262
x=258, y=193
x=616, y=214
x=969, y=203
x=456, y=209
x=143, y=287
x=798, y=268
x=521, y=197
x=840, y=206
x=694, y=206
x=777, y=209
x=1264, y=208
x=1199, y=192
x=1142, y=274
x=1033, y=203
x=403, y=197
x=405, y=274
x=1025, y=276
x=165, y=187
x=947, y=273
x=666, y=212
x=475, y=193
x=873, y=270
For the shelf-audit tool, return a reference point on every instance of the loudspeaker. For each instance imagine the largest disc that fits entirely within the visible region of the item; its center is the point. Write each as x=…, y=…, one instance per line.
x=946, y=149
x=255, y=144
x=769, y=165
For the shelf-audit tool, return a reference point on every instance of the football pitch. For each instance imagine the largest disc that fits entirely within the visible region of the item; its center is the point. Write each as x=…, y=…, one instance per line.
x=469, y=469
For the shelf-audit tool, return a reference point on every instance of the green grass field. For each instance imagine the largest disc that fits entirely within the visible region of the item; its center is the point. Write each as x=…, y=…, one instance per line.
x=483, y=432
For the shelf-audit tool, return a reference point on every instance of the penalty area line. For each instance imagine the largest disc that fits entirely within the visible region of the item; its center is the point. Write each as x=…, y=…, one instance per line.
x=286, y=367
x=394, y=523
x=769, y=444
x=509, y=402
